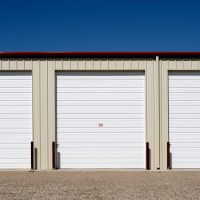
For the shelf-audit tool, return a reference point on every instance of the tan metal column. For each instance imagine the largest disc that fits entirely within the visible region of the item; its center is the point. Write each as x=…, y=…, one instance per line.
x=157, y=112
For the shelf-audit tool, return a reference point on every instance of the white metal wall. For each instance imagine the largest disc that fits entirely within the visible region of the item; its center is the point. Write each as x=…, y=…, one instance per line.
x=15, y=119
x=101, y=119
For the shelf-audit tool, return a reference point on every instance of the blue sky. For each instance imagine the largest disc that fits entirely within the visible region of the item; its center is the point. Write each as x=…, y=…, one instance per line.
x=112, y=25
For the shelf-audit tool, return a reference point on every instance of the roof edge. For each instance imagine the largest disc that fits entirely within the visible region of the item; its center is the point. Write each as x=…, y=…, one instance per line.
x=99, y=54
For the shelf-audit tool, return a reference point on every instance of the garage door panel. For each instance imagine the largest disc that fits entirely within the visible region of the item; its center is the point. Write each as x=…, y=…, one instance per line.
x=15, y=109
x=185, y=110
x=102, y=156
x=184, y=90
x=15, y=131
x=184, y=96
x=184, y=103
x=185, y=123
x=103, y=139
x=100, y=103
x=16, y=116
x=186, y=153
x=100, y=90
x=103, y=164
x=14, y=96
x=189, y=160
x=23, y=156
x=100, y=110
x=184, y=130
x=95, y=123
x=16, y=146
x=16, y=103
x=99, y=135
x=187, y=165
x=16, y=76
x=103, y=152
x=14, y=161
x=16, y=90
x=13, y=166
x=15, y=83
x=101, y=83
x=184, y=83
x=181, y=116
x=85, y=100
x=8, y=153
x=185, y=134
x=103, y=160
x=140, y=146
x=107, y=165
x=15, y=119
x=104, y=130
x=17, y=140
x=15, y=123
x=100, y=96
x=99, y=116
x=185, y=137
x=136, y=75
x=185, y=145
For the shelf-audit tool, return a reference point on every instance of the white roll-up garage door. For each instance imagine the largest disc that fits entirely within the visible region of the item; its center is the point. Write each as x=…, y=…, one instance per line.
x=184, y=119
x=101, y=119
x=15, y=119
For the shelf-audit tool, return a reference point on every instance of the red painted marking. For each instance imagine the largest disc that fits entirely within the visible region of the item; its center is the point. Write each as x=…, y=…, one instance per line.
x=100, y=125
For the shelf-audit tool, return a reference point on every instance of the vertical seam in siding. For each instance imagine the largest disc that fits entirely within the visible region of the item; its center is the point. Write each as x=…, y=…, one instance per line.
x=93, y=64
x=33, y=121
x=168, y=64
x=17, y=64
x=175, y=64
x=8, y=64
x=159, y=107
x=161, y=110
x=47, y=69
x=160, y=114
x=40, y=113
x=146, y=100
x=182, y=68
x=48, y=146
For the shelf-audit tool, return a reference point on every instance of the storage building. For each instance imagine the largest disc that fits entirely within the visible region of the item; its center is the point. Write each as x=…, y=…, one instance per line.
x=112, y=110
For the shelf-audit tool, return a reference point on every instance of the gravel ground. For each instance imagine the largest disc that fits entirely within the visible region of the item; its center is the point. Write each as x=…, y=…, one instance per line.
x=93, y=185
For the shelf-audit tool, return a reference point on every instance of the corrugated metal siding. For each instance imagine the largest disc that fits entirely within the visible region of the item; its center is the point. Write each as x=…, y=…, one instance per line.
x=77, y=64
x=15, y=64
x=100, y=64
x=180, y=64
